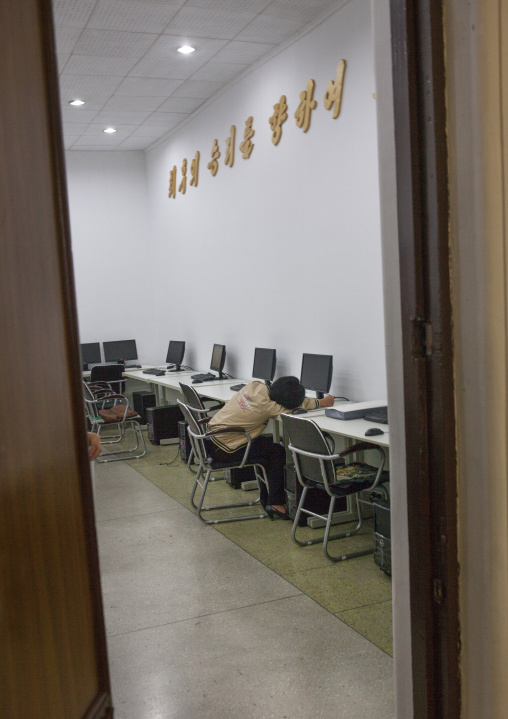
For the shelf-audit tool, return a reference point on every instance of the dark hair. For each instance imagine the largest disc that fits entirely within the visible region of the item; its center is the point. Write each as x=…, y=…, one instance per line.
x=288, y=392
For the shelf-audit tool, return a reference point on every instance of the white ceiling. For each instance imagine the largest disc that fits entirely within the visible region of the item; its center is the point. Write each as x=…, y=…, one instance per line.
x=120, y=57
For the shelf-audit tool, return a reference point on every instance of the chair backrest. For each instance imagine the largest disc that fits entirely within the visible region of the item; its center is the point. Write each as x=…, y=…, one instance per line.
x=111, y=373
x=91, y=407
x=107, y=372
x=192, y=399
x=305, y=435
x=195, y=429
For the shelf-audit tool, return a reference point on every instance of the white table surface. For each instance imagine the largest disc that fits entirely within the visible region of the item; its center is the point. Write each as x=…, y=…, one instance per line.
x=221, y=391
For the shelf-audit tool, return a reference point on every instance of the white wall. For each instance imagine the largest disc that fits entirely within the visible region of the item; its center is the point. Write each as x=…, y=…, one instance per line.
x=109, y=233
x=282, y=250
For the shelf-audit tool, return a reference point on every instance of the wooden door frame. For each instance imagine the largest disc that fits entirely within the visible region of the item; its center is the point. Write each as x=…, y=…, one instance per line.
x=426, y=314
x=422, y=207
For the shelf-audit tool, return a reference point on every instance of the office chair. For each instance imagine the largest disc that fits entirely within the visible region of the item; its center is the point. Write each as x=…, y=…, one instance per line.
x=207, y=465
x=118, y=414
x=317, y=466
x=193, y=400
x=110, y=373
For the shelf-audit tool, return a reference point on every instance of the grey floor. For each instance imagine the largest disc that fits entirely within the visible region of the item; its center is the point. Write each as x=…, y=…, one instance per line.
x=198, y=628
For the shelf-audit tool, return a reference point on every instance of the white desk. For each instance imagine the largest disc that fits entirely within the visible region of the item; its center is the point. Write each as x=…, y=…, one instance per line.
x=220, y=390
x=86, y=374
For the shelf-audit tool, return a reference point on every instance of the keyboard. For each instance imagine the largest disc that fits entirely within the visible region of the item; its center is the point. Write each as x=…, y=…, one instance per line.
x=379, y=415
x=204, y=377
x=154, y=371
x=236, y=387
x=132, y=366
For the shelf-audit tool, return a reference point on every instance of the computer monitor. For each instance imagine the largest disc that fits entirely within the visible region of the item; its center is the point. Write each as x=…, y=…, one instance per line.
x=120, y=350
x=317, y=373
x=264, y=364
x=218, y=359
x=90, y=354
x=176, y=351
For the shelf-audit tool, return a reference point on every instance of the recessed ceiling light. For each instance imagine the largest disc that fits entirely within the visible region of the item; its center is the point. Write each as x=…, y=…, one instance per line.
x=109, y=130
x=186, y=49
x=77, y=103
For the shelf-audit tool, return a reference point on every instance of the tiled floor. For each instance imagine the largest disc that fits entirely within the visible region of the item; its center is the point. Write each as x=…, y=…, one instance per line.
x=357, y=590
x=198, y=627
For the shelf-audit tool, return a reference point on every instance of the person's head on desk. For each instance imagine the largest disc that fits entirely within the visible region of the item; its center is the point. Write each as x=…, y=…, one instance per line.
x=290, y=393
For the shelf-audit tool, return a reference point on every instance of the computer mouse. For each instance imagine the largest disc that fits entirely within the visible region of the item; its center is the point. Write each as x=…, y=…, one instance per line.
x=299, y=410
x=373, y=431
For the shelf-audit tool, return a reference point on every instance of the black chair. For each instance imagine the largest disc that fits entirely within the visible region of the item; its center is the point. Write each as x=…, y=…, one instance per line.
x=317, y=466
x=110, y=373
x=116, y=415
x=207, y=465
x=193, y=400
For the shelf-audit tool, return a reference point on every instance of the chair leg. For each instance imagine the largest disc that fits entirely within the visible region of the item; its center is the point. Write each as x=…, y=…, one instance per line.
x=126, y=454
x=200, y=508
x=327, y=538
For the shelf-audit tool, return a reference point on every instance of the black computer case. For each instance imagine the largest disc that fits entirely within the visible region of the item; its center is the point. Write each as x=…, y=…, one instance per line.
x=163, y=422
x=237, y=475
x=141, y=401
x=382, y=536
x=185, y=445
x=317, y=500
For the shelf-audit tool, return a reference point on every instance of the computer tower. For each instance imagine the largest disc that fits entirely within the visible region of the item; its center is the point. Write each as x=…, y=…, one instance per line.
x=316, y=501
x=185, y=445
x=382, y=536
x=237, y=475
x=163, y=423
x=141, y=401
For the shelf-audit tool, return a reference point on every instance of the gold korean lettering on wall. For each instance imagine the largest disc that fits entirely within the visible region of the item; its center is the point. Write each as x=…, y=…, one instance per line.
x=194, y=170
x=183, y=183
x=229, y=158
x=307, y=104
x=278, y=118
x=246, y=146
x=333, y=94
x=213, y=165
x=332, y=100
x=172, y=183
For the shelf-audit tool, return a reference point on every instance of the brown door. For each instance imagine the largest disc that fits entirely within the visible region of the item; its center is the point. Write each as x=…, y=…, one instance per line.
x=52, y=647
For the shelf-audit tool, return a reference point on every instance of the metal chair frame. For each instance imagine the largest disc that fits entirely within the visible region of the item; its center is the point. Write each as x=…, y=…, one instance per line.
x=205, y=466
x=92, y=400
x=324, y=479
x=193, y=400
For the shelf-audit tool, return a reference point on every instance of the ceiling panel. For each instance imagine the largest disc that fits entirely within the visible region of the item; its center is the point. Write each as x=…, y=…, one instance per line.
x=209, y=22
x=102, y=65
x=147, y=16
x=219, y=71
x=121, y=57
x=269, y=29
x=74, y=13
x=113, y=43
x=181, y=104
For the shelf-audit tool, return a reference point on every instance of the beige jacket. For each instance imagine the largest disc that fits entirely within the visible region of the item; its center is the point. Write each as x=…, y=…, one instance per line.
x=250, y=408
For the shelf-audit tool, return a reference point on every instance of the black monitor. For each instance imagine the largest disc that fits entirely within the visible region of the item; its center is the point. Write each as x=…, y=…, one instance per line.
x=218, y=359
x=120, y=350
x=317, y=373
x=90, y=354
x=264, y=364
x=176, y=351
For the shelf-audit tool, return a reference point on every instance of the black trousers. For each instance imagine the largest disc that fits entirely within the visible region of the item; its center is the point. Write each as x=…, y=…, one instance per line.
x=266, y=452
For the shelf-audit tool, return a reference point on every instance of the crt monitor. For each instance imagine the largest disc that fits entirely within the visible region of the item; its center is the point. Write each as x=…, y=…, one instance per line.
x=317, y=373
x=176, y=351
x=120, y=350
x=90, y=354
x=264, y=364
x=218, y=359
